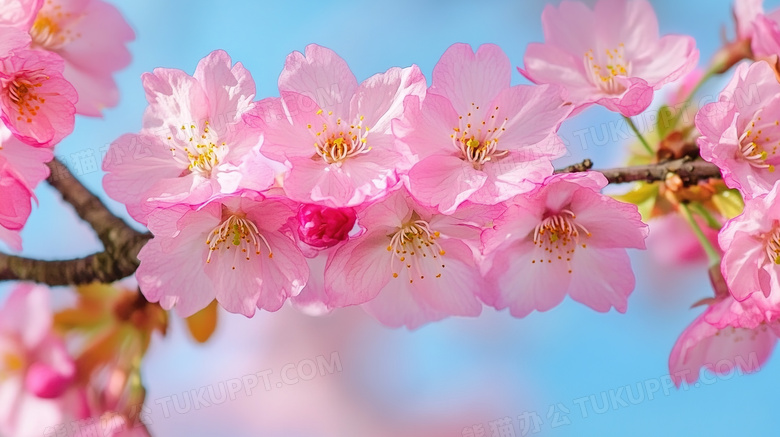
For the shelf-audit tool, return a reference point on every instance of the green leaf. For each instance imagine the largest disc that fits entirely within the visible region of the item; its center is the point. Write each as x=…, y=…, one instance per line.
x=665, y=121
x=643, y=195
x=729, y=203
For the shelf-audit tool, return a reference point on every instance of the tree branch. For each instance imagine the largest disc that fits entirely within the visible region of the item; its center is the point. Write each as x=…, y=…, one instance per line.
x=690, y=171
x=110, y=229
x=106, y=267
x=121, y=243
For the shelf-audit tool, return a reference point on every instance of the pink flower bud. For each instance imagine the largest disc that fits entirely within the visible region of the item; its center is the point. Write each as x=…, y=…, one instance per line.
x=324, y=227
x=45, y=382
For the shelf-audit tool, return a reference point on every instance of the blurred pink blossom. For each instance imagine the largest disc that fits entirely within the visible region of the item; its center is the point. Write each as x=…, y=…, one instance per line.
x=90, y=35
x=35, y=368
x=611, y=55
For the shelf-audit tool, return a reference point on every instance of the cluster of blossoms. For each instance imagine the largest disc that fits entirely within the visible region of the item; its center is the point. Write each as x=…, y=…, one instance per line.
x=417, y=202
x=57, y=58
x=44, y=390
x=740, y=133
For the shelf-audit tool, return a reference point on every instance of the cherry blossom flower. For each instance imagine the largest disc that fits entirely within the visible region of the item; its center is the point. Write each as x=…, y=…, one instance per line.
x=611, y=55
x=751, y=245
x=335, y=134
x=194, y=144
x=745, y=14
x=673, y=243
x=761, y=28
x=563, y=238
x=35, y=368
x=90, y=35
x=476, y=137
x=22, y=168
x=728, y=335
x=37, y=103
x=238, y=249
x=412, y=265
x=739, y=132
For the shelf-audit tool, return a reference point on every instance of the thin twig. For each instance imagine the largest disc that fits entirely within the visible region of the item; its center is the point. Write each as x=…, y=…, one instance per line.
x=690, y=171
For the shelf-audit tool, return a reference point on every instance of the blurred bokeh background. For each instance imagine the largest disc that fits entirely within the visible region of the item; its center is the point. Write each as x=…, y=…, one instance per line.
x=450, y=378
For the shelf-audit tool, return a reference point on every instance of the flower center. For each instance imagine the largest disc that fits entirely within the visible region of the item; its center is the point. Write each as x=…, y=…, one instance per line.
x=603, y=68
x=47, y=34
x=772, y=246
x=757, y=139
x=12, y=359
x=477, y=139
x=22, y=93
x=559, y=236
x=412, y=245
x=239, y=233
x=199, y=150
x=335, y=146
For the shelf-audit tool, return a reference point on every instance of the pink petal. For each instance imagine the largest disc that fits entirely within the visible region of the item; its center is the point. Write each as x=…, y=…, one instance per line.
x=674, y=57
x=637, y=28
x=525, y=281
x=634, y=101
x=134, y=164
x=161, y=278
x=228, y=87
x=358, y=270
x=534, y=113
x=465, y=77
x=454, y=293
x=19, y=13
x=175, y=99
x=740, y=265
x=321, y=75
x=426, y=130
x=702, y=345
x=611, y=223
x=12, y=39
x=380, y=98
x=515, y=174
x=444, y=181
x=27, y=311
x=53, y=372
x=601, y=278
x=313, y=300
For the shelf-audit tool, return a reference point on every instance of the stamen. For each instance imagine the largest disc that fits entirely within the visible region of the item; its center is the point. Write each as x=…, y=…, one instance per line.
x=559, y=236
x=202, y=150
x=756, y=145
x=479, y=145
x=602, y=68
x=412, y=245
x=336, y=146
x=240, y=233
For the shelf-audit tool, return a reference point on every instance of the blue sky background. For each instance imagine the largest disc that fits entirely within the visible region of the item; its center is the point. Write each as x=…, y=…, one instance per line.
x=489, y=367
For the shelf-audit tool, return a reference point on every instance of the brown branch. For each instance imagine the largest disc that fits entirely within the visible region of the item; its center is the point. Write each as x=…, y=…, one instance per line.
x=690, y=171
x=108, y=266
x=110, y=229
x=121, y=243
